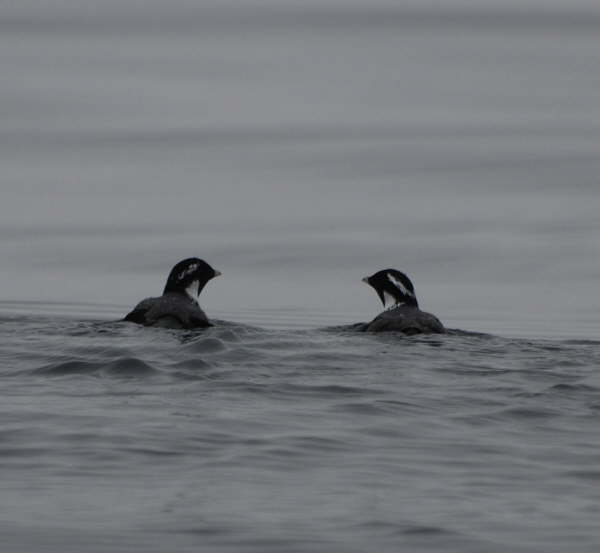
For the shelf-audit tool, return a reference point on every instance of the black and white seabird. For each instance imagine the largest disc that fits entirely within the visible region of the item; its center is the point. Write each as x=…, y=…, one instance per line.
x=178, y=306
x=402, y=313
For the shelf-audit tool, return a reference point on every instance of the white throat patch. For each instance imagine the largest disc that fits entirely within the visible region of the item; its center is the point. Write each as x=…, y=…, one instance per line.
x=192, y=290
x=400, y=286
x=389, y=299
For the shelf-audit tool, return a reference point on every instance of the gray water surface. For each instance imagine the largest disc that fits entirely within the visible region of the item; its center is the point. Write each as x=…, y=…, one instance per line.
x=123, y=438
x=298, y=147
x=301, y=146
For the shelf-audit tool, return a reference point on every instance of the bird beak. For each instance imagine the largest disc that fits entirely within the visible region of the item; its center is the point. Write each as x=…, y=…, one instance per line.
x=365, y=280
x=218, y=273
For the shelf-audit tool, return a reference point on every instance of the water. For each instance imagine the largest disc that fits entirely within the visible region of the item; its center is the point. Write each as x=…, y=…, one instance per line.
x=121, y=438
x=298, y=147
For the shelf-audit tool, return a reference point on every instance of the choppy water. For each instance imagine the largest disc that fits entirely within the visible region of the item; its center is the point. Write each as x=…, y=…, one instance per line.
x=299, y=146
x=122, y=438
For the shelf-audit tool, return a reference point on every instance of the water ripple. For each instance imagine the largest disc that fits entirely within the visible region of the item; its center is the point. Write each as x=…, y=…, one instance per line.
x=266, y=424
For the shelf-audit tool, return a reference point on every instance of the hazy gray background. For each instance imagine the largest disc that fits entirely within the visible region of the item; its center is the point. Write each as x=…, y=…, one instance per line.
x=299, y=146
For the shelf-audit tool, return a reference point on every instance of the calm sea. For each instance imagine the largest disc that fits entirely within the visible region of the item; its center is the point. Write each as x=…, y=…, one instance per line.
x=298, y=147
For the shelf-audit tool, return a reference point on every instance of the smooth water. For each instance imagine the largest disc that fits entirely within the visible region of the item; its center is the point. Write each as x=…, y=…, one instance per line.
x=298, y=147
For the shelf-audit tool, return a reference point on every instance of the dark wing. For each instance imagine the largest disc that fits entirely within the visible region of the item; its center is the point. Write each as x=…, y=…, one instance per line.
x=407, y=320
x=139, y=312
x=168, y=311
x=431, y=323
x=198, y=318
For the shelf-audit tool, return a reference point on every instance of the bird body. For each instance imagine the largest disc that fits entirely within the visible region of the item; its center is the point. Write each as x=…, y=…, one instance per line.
x=177, y=307
x=403, y=314
x=406, y=319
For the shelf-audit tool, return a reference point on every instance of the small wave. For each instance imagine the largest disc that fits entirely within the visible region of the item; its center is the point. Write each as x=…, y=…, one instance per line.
x=405, y=407
x=528, y=413
x=240, y=329
x=475, y=370
x=316, y=443
x=360, y=408
x=345, y=328
x=245, y=355
x=23, y=453
x=194, y=368
x=129, y=366
x=469, y=333
x=203, y=531
x=69, y=367
x=582, y=342
x=332, y=390
x=124, y=366
x=194, y=363
x=564, y=387
x=206, y=345
x=593, y=475
x=227, y=335
x=151, y=452
x=406, y=529
x=418, y=530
